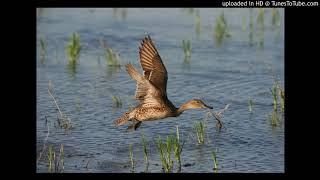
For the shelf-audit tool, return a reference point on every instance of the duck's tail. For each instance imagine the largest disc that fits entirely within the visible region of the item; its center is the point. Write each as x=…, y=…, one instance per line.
x=122, y=120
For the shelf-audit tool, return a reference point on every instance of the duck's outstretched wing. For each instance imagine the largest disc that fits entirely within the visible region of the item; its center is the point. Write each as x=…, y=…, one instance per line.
x=146, y=92
x=152, y=65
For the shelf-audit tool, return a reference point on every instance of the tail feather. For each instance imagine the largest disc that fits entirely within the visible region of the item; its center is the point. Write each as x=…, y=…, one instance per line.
x=122, y=120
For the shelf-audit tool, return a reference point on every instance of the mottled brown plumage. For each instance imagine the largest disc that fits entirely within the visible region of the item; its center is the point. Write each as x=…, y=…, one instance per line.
x=151, y=89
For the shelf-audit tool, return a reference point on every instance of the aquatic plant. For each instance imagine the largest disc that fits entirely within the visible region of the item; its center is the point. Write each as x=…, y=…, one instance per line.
x=199, y=128
x=244, y=24
x=282, y=98
x=131, y=157
x=274, y=118
x=250, y=104
x=165, y=150
x=63, y=120
x=55, y=163
x=145, y=151
x=51, y=157
x=198, y=23
x=275, y=20
x=73, y=48
x=260, y=21
x=215, y=162
x=275, y=96
x=177, y=148
x=251, y=27
x=116, y=101
x=111, y=57
x=221, y=30
x=186, y=45
x=43, y=50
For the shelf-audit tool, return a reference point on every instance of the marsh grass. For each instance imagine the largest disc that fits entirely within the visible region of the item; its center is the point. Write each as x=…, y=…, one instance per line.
x=111, y=57
x=145, y=151
x=198, y=23
x=43, y=50
x=55, y=163
x=274, y=118
x=282, y=98
x=251, y=27
x=250, y=104
x=165, y=149
x=131, y=157
x=274, y=93
x=116, y=101
x=214, y=158
x=275, y=18
x=177, y=148
x=186, y=45
x=73, y=48
x=221, y=30
x=64, y=121
x=200, y=129
x=260, y=22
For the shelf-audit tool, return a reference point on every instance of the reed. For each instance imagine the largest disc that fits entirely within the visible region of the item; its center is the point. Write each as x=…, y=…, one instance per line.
x=275, y=18
x=116, y=101
x=177, y=148
x=55, y=164
x=165, y=149
x=186, y=45
x=215, y=162
x=145, y=150
x=282, y=98
x=198, y=23
x=274, y=118
x=199, y=128
x=73, y=48
x=260, y=21
x=131, y=157
x=221, y=30
x=274, y=94
x=111, y=57
x=43, y=50
x=250, y=104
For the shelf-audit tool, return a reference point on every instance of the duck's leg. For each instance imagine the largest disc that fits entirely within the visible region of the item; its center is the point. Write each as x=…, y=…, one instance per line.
x=134, y=126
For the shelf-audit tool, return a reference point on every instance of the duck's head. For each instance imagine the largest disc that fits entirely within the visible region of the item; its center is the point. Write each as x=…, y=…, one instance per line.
x=196, y=104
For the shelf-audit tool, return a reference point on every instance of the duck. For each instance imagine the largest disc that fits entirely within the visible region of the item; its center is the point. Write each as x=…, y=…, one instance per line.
x=151, y=90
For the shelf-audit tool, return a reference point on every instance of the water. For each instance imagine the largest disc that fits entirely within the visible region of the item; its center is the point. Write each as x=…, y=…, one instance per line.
x=231, y=73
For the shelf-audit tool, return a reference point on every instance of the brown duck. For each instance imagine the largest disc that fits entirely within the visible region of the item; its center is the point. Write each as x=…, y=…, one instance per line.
x=151, y=90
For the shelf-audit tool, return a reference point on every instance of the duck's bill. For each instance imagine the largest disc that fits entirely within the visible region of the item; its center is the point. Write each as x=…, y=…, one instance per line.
x=210, y=107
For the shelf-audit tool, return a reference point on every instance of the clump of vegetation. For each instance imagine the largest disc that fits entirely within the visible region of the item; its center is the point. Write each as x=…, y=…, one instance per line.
x=73, y=48
x=186, y=45
x=43, y=50
x=251, y=27
x=131, y=157
x=277, y=95
x=260, y=21
x=111, y=57
x=165, y=149
x=275, y=20
x=274, y=118
x=274, y=93
x=116, y=101
x=221, y=29
x=282, y=98
x=215, y=162
x=198, y=23
x=199, y=128
x=55, y=164
x=63, y=120
x=250, y=104
x=177, y=148
x=145, y=151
